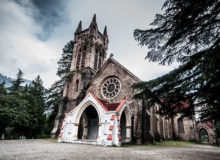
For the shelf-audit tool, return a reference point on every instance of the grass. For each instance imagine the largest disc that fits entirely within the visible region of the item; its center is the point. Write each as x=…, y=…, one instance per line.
x=163, y=144
x=172, y=143
x=53, y=140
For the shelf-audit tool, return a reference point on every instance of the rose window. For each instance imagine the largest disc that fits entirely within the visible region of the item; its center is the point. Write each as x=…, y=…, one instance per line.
x=111, y=87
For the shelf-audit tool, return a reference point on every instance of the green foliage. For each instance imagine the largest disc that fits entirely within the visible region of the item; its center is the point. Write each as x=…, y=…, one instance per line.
x=35, y=95
x=203, y=136
x=187, y=32
x=22, y=108
x=164, y=144
x=30, y=110
x=56, y=90
x=65, y=61
x=16, y=85
x=185, y=28
x=172, y=143
x=13, y=113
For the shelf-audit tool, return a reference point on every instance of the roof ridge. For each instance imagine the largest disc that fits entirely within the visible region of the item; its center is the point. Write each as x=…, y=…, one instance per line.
x=115, y=61
x=126, y=69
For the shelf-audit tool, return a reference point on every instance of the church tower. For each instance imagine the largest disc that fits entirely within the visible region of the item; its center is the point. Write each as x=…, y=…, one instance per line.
x=89, y=47
x=89, y=54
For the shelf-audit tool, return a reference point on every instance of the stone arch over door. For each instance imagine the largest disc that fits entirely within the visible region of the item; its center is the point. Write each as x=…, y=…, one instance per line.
x=80, y=114
x=125, y=113
x=208, y=129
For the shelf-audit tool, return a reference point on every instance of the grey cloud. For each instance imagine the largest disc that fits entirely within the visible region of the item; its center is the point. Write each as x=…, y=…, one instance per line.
x=37, y=68
x=48, y=14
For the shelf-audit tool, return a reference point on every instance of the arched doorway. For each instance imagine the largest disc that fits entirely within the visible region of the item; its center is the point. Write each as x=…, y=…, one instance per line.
x=205, y=130
x=89, y=124
x=125, y=125
x=203, y=136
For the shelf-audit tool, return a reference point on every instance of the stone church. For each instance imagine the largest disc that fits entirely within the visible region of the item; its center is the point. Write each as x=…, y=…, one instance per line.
x=98, y=107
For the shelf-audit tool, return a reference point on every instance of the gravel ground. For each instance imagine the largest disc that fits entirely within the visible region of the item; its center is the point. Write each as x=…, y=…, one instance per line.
x=50, y=150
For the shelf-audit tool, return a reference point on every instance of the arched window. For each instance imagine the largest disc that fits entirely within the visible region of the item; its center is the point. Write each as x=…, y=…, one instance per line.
x=203, y=136
x=100, y=62
x=84, y=48
x=180, y=125
x=83, y=59
x=96, y=59
x=78, y=61
x=77, y=85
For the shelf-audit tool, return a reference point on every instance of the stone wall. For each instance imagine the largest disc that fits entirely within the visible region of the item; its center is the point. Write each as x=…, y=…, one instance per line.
x=111, y=69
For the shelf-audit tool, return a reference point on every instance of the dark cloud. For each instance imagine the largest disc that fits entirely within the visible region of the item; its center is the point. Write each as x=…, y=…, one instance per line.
x=48, y=14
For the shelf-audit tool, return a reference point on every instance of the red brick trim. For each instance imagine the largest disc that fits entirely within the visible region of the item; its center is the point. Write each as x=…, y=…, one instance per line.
x=119, y=137
x=110, y=127
x=99, y=101
x=60, y=135
x=113, y=117
x=109, y=137
x=119, y=128
x=120, y=105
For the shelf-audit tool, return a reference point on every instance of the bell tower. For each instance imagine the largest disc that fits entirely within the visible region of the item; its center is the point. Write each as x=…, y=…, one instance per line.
x=89, y=47
x=89, y=54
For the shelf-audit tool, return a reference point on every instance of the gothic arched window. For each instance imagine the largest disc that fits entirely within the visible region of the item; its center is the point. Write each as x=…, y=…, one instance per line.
x=78, y=61
x=180, y=125
x=96, y=59
x=83, y=59
x=77, y=85
x=99, y=66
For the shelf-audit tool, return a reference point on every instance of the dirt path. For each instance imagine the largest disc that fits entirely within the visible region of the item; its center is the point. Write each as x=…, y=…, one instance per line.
x=48, y=150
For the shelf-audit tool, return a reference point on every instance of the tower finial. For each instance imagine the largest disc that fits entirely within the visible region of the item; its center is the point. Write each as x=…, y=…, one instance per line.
x=94, y=18
x=93, y=23
x=79, y=28
x=105, y=32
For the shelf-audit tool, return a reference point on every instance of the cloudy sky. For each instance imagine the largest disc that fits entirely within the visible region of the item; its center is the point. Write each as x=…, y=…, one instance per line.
x=33, y=33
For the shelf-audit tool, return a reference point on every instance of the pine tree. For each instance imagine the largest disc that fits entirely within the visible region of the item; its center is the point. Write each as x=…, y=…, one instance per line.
x=187, y=32
x=35, y=95
x=16, y=85
x=14, y=108
x=56, y=90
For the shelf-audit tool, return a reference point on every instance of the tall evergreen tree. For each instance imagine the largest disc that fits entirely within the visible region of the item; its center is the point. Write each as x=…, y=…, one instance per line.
x=13, y=108
x=35, y=95
x=56, y=90
x=187, y=32
x=16, y=85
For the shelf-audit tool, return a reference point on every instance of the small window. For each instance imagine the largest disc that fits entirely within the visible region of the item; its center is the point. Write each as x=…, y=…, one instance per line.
x=84, y=48
x=83, y=59
x=95, y=60
x=100, y=63
x=180, y=125
x=78, y=61
x=77, y=85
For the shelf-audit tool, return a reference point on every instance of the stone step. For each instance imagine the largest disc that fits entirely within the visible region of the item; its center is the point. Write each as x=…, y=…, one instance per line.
x=86, y=141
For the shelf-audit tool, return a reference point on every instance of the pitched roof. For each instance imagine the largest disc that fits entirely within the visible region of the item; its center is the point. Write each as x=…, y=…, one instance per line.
x=108, y=106
x=118, y=64
x=121, y=66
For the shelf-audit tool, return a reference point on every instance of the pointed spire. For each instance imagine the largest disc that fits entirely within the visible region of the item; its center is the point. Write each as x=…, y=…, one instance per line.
x=105, y=32
x=93, y=23
x=79, y=28
x=94, y=19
